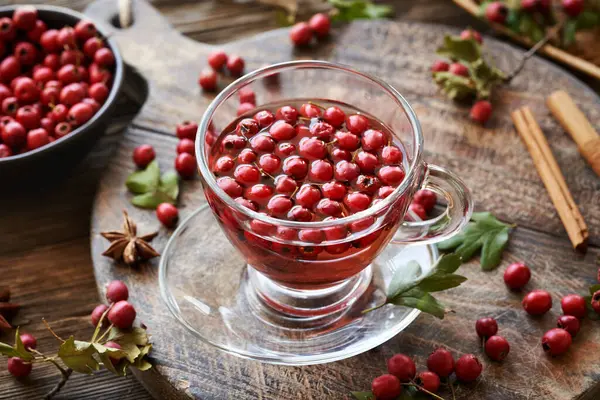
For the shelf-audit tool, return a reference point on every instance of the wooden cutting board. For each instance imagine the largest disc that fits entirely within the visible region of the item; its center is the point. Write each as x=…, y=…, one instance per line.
x=491, y=159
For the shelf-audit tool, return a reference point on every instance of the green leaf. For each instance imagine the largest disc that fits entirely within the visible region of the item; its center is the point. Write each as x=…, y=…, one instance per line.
x=447, y=264
x=456, y=48
x=483, y=215
x=486, y=233
x=588, y=20
x=131, y=351
x=594, y=288
x=151, y=200
x=348, y=10
x=137, y=336
x=485, y=77
x=437, y=283
x=284, y=18
x=493, y=246
x=78, y=355
x=169, y=184
x=404, y=277
x=363, y=395
x=8, y=350
x=454, y=86
x=513, y=20
x=144, y=181
x=141, y=363
x=20, y=348
x=106, y=353
x=426, y=303
x=569, y=30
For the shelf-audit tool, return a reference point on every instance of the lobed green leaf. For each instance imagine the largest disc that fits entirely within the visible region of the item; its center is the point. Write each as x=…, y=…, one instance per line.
x=144, y=181
x=78, y=355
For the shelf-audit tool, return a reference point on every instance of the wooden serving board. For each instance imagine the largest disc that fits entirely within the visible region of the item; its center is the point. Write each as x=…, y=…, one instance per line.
x=491, y=159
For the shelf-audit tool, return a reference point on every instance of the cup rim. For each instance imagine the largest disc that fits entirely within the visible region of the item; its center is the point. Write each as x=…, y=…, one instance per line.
x=210, y=180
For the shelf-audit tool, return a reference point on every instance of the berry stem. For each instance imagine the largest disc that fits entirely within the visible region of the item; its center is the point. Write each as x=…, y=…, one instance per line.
x=97, y=330
x=66, y=373
x=549, y=35
x=51, y=331
x=316, y=105
x=373, y=308
x=105, y=333
x=413, y=383
x=452, y=389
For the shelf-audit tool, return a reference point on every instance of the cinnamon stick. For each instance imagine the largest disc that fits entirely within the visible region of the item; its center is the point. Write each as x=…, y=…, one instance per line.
x=549, y=171
x=579, y=127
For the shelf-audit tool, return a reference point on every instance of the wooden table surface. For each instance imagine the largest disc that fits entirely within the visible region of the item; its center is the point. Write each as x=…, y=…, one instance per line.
x=44, y=233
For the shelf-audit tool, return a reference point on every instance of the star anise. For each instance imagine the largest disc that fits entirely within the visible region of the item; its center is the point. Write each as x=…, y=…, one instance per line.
x=127, y=245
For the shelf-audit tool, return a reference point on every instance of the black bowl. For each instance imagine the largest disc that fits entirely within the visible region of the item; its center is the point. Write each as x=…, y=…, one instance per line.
x=55, y=159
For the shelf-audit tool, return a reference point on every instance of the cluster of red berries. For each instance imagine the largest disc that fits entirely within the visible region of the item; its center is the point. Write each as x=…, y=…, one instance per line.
x=481, y=110
x=53, y=80
x=497, y=11
x=318, y=26
x=440, y=364
x=218, y=60
x=496, y=347
x=16, y=366
x=538, y=302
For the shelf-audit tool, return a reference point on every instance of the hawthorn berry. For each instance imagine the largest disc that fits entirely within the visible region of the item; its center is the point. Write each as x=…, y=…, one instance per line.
x=122, y=314
x=569, y=323
x=185, y=164
x=426, y=198
x=19, y=368
x=486, y=327
x=402, y=367
x=440, y=66
x=235, y=65
x=573, y=7
x=186, y=130
x=186, y=146
x=441, y=362
x=29, y=341
x=301, y=34
x=320, y=24
x=468, y=368
x=573, y=304
x=167, y=214
x=208, y=80
x=537, y=302
x=458, y=69
x=481, y=111
x=496, y=12
x=143, y=155
x=497, y=348
x=116, y=291
x=386, y=387
x=556, y=341
x=468, y=34
x=217, y=59
x=517, y=275
x=429, y=381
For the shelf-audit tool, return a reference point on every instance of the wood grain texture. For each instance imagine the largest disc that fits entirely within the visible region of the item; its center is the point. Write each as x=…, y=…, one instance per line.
x=492, y=160
x=44, y=241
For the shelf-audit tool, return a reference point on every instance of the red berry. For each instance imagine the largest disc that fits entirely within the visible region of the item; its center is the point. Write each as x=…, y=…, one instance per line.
x=269, y=163
x=217, y=59
x=185, y=164
x=167, y=214
x=486, y=327
x=29, y=341
x=72, y=94
x=97, y=74
x=62, y=129
x=373, y=140
x=481, y=111
x=259, y=193
x=113, y=345
x=402, y=367
x=79, y=114
x=419, y=210
x=91, y=46
x=288, y=114
x=4, y=92
x=312, y=148
x=301, y=34
x=573, y=7
x=10, y=68
x=357, y=123
x=186, y=146
x=85, y=30
x=70, y=73
x=5, y=151
x=573, y=304
x=29, y=117
x=235, y=65
x=334, y=190
x=208, y=80
x=244, y=108
x=99, y=92
x=346, y=171
x=497, y=348
x=392, y=155
x=330, y=208
x=440, y=66
x=43, y=75
x=296, y=167
x=429, y=381
x=496, y=12
x=229, y=186
x=441, y=362
x=282, y=131
x=49, y=41
x=37, y=138
x=385, y=191
x=458, y=69
x=247, y=95
x=14, y=135
x=357, y=201
x=569, y=323
x=48, y=125
x=247, y=156
x=116, y=291
x=322, y=130
x=299, y=213
x=59, y=113
x=71, y=57
x=391, y=175
x=386, y=387
x=104, y=57
x=426, y=198
x=596, y=301
x=321, y=170
x=264, y=118
x=338, y=154
x=122, y=314
x=320, y=24
x=310, y=110
x=262, y=143
x=97, y=314
x=7, y=30
x=347, y=141
x=468, y=368
x=24, y=17
x=517, y=275
x=143, y=155
x=10, y=105
x=19, y=368
x=186, y=130
x=468, y=34
x=556, y=341
x=537, y=302
x=285, y=185
x=91, y=102
x=224, y=164
x=308, y=196
x=367, y=162
x=26, y=90
x=279, y=205
x=26, y=53
x=66, y=37
x=247, y=174
x=529, y=5
x=247, y=127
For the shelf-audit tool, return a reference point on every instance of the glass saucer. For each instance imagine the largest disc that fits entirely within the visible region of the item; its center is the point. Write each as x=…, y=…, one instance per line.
x=208, y=287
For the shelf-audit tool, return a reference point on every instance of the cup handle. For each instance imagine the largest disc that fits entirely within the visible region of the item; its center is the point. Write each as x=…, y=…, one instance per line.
x=451, y=221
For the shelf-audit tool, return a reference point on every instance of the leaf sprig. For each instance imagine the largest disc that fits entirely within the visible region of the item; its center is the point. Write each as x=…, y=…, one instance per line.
x=410, y=287
x=88, y=356
x=484, y=232
x=483, y=76
x=152, y=189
